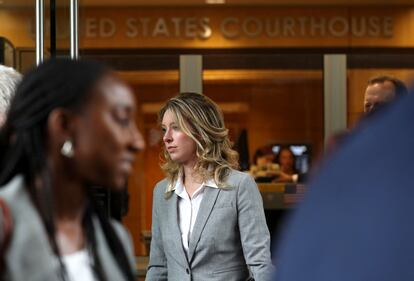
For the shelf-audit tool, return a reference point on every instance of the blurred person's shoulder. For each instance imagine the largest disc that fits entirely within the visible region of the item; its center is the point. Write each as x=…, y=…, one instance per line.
x=123, y=234
x=13, y=190
x=28, y=253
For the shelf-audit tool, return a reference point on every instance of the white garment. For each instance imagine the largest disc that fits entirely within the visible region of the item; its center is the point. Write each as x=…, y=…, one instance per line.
x=188, y=209
x=78, y=266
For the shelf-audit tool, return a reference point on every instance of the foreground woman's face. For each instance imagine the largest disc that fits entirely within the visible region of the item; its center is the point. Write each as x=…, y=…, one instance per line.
x=108, y=138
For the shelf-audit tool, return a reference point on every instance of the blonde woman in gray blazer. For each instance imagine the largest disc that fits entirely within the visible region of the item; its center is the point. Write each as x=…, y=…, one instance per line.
x=208, y=219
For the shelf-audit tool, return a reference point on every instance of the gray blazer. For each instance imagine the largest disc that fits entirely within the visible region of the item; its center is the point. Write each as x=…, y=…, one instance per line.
x=230, y=240
x=30, y=257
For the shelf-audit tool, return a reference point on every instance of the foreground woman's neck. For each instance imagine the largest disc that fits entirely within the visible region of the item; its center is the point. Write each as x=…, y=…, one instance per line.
x=191, y=179
x=70, y=200
x=70, y=204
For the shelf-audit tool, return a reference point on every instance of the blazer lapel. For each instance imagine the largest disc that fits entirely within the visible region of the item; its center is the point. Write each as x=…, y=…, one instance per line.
x=207, y=204
x=172, y=211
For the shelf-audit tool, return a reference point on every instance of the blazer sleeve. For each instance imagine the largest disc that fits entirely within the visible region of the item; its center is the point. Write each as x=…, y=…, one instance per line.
x=254, y=233
x=157, y=267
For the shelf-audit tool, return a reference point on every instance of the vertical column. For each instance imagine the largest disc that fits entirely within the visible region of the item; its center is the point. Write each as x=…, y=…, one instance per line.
x=39, y=31
x=2, y=50
x=335, y=91
x=191, y=73
x=53, y=28
x=74, y=47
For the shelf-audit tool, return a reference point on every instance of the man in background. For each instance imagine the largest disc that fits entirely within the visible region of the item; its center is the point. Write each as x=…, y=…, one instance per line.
x=9, y=78
x=382, y=90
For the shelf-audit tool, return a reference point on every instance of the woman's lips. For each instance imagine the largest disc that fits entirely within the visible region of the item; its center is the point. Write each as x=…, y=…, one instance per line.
x=171, y=148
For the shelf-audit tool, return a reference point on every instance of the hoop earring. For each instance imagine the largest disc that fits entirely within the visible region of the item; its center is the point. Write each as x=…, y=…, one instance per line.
x=67, y=149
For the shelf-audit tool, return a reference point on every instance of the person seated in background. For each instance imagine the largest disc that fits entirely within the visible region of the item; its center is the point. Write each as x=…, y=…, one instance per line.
x=287, y=164
x=264, y=169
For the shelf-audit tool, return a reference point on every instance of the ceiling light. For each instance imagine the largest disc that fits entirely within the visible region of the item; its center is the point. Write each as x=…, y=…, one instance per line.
x=215, y=1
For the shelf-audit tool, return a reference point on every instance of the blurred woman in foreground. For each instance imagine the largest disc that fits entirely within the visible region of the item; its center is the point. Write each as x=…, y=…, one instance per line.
x=70, y=126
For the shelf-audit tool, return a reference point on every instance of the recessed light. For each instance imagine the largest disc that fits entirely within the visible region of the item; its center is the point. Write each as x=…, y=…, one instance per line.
x=215, y=1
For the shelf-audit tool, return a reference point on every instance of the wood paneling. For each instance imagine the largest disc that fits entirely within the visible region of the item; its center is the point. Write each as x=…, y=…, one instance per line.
x=149, y=87
x=281, y=109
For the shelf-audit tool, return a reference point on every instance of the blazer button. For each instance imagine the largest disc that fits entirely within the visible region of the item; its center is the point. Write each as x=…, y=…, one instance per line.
x=187, y=270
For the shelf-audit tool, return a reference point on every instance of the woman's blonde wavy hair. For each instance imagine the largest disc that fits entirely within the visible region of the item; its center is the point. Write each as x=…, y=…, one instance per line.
x=202, y=120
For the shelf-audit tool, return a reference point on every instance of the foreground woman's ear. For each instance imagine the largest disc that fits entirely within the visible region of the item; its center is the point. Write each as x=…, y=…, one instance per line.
x=60, y=130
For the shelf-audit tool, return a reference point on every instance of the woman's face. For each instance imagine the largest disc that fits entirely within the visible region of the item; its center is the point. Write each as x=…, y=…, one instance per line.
x=180, y=147
x=107, y=138
x=286, y=159
x=265, y=160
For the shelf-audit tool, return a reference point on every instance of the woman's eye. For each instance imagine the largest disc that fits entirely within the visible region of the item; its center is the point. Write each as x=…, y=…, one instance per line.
x=123, y=121
x=122, y=117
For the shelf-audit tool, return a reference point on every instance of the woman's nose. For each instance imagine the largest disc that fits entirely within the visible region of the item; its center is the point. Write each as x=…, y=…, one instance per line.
x=167, y=136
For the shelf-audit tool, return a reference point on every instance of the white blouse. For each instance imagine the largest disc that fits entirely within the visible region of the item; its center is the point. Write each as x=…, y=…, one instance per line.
x=78, y=266
x=188, y=209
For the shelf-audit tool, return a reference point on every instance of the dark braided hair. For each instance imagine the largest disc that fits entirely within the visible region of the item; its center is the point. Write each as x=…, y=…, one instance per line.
x=57, y=83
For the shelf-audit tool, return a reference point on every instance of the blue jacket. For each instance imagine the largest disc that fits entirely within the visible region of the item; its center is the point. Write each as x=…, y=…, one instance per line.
x=356, y=223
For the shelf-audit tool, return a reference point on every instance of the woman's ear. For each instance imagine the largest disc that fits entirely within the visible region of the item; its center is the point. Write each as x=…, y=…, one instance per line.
x=60, y=126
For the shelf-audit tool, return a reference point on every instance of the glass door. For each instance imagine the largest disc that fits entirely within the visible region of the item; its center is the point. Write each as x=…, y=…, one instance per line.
x=270, y=102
